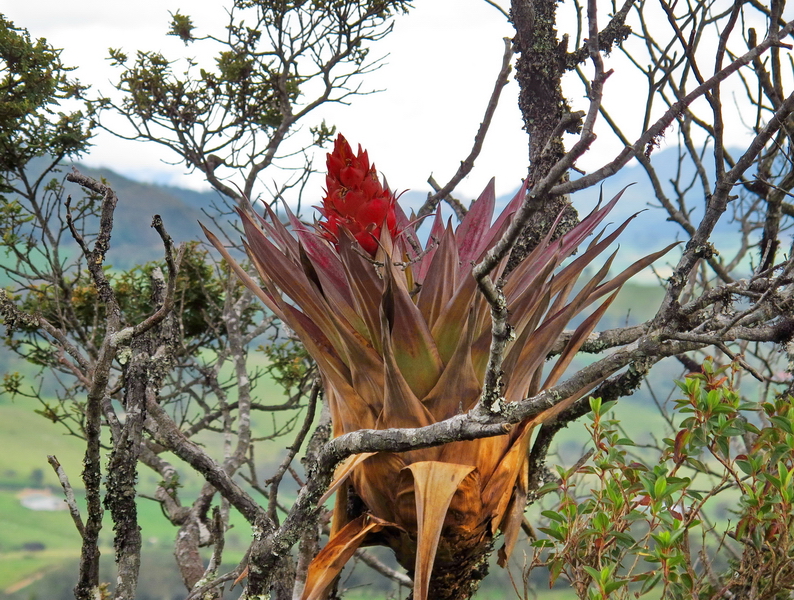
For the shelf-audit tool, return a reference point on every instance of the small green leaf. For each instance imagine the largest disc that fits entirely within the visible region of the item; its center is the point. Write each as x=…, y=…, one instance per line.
x=614, y=585
x=555, y=568
x=782, y=423
x=550, y=514
x=557, y=535
x=607, y=406
x=650, y=583
x=659, y=488
x=672, y=488
x=601, y=522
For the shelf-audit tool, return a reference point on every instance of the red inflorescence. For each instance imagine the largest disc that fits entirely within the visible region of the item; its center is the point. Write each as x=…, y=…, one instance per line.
x=355, y=198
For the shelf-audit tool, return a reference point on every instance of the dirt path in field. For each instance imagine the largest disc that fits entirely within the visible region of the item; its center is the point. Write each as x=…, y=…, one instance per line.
x=23, y=583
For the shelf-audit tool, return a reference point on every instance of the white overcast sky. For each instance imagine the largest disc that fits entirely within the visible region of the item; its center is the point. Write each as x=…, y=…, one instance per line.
x=442, y=61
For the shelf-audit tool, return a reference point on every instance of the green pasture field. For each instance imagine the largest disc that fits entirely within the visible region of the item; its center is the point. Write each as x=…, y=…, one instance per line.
x=28, y=438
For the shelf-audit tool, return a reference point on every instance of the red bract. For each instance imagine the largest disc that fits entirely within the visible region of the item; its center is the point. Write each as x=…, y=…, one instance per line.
x=355, y=198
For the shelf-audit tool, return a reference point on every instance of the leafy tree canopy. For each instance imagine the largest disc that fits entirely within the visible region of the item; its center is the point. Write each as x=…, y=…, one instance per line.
x=33, y=84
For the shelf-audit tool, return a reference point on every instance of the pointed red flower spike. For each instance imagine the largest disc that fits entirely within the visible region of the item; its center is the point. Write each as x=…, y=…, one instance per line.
x=355, y=198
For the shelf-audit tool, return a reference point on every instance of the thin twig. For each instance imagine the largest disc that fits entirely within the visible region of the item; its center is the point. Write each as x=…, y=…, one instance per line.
x=653, y=132
x=497, y=7
x=454, y=203
x=467, y=165
x=71, y=502
x=385, y=570
x=292, y=451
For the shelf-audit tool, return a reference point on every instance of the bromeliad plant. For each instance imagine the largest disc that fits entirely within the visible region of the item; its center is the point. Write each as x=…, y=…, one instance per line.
x=401, y=338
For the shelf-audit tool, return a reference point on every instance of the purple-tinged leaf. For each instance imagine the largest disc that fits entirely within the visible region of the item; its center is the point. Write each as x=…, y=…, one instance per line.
x=534, y=350
x=266, y=298
x=441, y=280
x=563, y=247
x=451, y=322
x=575, y=342
x=325, y=261
x=401, y=406
x=524, y=308
x=413, y=345
x=527, y=324
x=350, y=318
x=482, y=310
x=576, y=236
x=423, y=264
x=630, y=272
x=291, y=279
x=458, y=388
x=507, y=214
x=274, y=228
x=544, y=254
x=472, y=234
x=364, y=363
x=407, y=238
x=581, y=263
x=365, y=286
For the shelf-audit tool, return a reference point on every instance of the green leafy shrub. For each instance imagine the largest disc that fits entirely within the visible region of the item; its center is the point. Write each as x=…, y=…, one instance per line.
x=649, y=524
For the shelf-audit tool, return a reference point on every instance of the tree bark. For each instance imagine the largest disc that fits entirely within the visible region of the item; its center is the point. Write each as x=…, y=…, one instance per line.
x=459, y=578
x=546, y=114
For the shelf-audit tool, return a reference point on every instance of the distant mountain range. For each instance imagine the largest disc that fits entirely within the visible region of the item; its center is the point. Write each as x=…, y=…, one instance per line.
x=134, y=241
